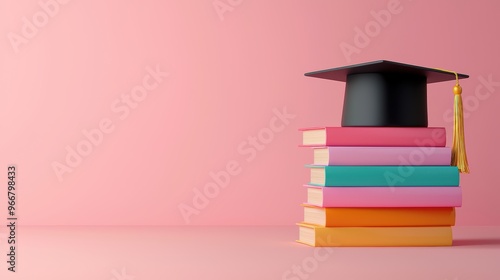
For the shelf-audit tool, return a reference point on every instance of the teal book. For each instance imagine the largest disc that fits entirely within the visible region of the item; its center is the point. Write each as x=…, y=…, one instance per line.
x=384, y=176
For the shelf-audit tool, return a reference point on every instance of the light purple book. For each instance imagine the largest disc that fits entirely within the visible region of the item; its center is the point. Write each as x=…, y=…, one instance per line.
x=382, y=156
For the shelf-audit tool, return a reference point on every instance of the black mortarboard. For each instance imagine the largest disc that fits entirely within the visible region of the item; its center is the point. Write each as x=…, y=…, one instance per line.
x=387, y=93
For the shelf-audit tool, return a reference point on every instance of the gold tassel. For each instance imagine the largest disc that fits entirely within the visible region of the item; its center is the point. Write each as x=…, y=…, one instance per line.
x=458, y=153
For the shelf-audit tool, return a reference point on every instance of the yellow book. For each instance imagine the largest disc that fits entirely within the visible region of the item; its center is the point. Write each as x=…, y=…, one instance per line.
x=318, y=236
x=381, y=217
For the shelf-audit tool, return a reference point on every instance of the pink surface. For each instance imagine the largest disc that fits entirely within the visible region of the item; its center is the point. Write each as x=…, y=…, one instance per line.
x=234, y=100
x=389, y=155
x=159, y=253
x=390, y=196
x=384, y=136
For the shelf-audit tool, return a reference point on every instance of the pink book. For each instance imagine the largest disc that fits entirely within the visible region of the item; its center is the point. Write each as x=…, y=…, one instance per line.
x=384, y=196
x=382, y=156
x=374, y=136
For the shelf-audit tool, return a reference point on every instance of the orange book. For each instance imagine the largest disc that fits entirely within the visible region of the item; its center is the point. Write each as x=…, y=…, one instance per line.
x=318, y=236
x=379, y=217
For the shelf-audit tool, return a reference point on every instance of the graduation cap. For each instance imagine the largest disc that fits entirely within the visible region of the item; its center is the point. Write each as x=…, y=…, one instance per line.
x=390, y=94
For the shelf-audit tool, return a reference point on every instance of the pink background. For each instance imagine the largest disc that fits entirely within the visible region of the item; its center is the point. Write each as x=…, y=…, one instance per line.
x=225, y=79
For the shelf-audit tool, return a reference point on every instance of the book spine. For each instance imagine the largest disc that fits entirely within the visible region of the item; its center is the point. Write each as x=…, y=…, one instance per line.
x=383, y=236
x=386, y=136
x=389, y=156
x=391, y=197
x=391, y=176
x=389, y=217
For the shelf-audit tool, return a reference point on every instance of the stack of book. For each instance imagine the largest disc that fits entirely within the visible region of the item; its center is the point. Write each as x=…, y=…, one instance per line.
x=379, y=186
